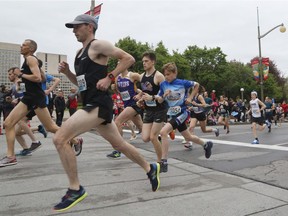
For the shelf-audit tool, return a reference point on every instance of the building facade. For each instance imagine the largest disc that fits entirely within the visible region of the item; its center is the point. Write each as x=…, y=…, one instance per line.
x=50, y=65
x=10, y=56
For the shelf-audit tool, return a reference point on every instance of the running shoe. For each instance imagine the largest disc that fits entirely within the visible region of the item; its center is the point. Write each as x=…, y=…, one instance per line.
x=172, y=135
x=42, y=130
x=255, y=141
x=71, y=198
x=184, y=141
x=114, y=155
x=268, y=123
x=24, y=152
x=208, y=147
x=163, y=167
x=35, y=146
x=153, y=176
x=189, y=145
x=133, y=137
x=217, y=132
x=8, y=161
x=78, y=147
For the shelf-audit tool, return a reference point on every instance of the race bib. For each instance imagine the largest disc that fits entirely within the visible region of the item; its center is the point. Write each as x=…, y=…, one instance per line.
x=125, y=95
x=82, y=85
x=21, y=88
x=195, y=109
x=151, y=103
x=174, y=110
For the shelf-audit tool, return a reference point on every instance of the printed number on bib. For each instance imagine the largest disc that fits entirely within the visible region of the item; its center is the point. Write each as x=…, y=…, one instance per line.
x=21, y=88
x=125, y=95
x=151, y=103
x=174, y=110
x=81, y=83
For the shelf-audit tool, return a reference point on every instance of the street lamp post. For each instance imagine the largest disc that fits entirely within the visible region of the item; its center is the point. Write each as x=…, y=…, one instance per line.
x=282, y=30
x=242, y=90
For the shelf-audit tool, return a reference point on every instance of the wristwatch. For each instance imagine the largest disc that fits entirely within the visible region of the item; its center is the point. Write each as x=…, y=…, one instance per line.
x=111, y=77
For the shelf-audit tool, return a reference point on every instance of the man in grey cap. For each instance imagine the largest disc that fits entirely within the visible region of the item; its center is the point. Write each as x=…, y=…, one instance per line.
x=93, y=81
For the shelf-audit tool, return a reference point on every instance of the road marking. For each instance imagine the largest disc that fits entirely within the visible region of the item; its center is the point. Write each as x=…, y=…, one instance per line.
x=242, y=144
x=233, y=143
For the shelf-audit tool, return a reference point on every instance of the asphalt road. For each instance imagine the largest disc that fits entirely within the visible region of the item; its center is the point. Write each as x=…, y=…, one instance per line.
x=233, y=153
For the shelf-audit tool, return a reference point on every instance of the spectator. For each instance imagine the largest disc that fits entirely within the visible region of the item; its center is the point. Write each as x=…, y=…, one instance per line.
x=285, y=108
x=59, y=103
x=72, y=102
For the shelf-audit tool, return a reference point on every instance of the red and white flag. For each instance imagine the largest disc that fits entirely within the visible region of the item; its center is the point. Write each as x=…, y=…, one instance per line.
x=96, y=12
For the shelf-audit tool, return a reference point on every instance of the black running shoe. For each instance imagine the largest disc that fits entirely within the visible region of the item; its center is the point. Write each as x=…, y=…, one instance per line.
x=35, y=146
x=163, y=167
x=217, y=132
x=42, y=130
x=207, y=147
x=153, y=176
x=269, y=128
x=71, y=198
x=78, y=146
x=24, y=152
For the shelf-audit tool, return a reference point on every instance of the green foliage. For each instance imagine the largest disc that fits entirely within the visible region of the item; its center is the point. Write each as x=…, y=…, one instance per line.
x=209, y=67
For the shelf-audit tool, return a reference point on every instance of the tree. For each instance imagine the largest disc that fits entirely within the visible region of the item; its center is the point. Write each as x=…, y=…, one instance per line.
x=208, y=67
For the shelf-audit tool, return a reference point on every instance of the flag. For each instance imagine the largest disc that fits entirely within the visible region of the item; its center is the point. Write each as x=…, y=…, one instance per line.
x=96, y=11
x=265, y=65
x=265, y=68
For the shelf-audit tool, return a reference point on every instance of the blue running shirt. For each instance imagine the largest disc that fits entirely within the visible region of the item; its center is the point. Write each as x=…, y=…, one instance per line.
x=178, y=92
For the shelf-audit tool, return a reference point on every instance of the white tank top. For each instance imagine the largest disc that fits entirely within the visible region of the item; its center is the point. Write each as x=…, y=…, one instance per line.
x=255, y=108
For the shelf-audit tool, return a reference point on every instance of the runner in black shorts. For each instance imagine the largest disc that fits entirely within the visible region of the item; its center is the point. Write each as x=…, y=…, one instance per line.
x=125, y=85
x=93, y=80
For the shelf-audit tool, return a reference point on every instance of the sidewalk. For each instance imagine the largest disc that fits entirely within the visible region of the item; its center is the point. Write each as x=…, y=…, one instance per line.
x=120, y=187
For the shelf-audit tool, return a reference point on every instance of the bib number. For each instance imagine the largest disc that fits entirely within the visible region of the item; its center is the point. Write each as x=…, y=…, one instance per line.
x=174, y=110
x=125, y=96
x=151, y=103
x=21, y=88
x=81, y=83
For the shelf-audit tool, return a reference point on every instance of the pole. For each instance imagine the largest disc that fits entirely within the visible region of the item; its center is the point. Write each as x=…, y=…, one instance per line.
x=261, y=73
x=260, y=59
x=92, y=7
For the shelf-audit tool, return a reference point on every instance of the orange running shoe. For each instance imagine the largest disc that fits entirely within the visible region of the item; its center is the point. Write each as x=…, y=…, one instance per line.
x=172, y=135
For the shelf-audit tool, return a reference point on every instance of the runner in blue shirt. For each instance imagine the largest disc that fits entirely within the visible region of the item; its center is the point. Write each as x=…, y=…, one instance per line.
x=174, y=92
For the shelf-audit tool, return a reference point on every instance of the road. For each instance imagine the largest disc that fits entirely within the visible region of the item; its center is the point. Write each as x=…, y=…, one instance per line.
x=233, y=153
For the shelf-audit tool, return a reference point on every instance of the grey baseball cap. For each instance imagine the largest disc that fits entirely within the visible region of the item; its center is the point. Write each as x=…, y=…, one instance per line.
x=81, y=19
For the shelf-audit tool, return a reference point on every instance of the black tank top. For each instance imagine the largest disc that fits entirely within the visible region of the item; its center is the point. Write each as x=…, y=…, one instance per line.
x=32, y=88
x=148, y=86
x=92, y=72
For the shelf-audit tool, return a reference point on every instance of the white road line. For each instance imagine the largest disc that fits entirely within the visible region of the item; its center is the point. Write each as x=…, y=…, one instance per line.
x=233, y=143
